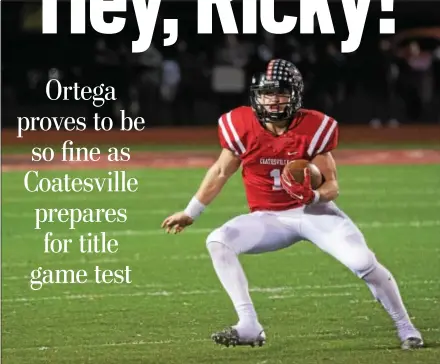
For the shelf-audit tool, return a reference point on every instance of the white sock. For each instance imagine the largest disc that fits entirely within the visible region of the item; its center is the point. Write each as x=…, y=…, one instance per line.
x=232, y=277
x=384, y=288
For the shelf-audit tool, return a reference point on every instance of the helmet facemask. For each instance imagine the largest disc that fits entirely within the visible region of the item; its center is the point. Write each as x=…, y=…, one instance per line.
x=273, y=104
x=277, y=94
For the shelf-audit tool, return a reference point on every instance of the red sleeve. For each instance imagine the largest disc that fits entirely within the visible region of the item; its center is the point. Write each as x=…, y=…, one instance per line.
x=325, y=138
x=229, y=133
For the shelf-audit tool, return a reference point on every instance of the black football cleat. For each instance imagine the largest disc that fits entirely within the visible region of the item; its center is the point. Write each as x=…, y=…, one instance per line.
x=412, y=343
x=230, y=337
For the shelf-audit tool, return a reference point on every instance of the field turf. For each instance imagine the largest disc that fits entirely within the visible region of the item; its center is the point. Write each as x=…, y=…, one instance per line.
x=313, y=309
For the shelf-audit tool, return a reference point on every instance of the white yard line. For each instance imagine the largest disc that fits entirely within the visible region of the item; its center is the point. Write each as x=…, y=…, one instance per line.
x=283, y=297
x=266, y=290
x=312, y=295
x=311, y=335
x=165, y=342
x=106, y=345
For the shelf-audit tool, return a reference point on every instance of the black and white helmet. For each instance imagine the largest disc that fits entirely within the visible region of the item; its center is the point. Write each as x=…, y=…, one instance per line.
x=281, y=77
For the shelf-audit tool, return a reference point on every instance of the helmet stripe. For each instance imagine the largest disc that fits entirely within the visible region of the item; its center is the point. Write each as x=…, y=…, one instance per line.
x=269, y=71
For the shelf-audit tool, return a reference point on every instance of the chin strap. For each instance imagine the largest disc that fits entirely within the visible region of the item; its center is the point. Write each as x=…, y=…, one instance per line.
x=263, y=123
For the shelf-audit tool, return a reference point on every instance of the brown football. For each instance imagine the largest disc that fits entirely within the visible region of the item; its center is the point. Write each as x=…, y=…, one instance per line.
x=296, y=169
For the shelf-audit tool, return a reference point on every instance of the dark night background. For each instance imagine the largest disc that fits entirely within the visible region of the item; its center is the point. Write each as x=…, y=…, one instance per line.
x=191, y=83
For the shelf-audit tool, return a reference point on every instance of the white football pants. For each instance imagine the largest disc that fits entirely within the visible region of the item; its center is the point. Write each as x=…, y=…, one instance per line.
x=325, y=225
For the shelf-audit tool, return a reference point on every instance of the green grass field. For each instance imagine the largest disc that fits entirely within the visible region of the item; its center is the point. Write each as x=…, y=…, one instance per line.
x=313, y=309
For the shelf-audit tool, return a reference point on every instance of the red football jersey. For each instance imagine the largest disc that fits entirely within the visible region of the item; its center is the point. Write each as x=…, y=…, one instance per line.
x=264, y=155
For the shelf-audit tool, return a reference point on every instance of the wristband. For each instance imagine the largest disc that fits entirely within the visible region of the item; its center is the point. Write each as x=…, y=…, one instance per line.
x=316, y=198
x=194, y=208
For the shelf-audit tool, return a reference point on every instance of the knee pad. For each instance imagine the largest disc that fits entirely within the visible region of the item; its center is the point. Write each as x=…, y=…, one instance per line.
x=219, y=252
x=364, y=264
x=219, y=240
x=215, y=236
x=224, y=234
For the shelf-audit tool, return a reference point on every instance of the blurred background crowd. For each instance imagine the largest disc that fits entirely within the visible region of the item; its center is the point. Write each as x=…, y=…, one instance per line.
x=388, y=81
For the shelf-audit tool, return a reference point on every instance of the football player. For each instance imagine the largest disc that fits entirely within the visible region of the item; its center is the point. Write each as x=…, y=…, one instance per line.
x=262, y=138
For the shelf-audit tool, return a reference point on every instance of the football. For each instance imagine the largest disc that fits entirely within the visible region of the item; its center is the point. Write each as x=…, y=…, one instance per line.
x=296, y=169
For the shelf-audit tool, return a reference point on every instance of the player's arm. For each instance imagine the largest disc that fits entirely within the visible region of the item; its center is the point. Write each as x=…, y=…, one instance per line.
x=216, y=177
x=329, y=190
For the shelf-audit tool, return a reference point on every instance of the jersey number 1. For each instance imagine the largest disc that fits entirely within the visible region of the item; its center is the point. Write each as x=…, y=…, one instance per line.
x=276, y=175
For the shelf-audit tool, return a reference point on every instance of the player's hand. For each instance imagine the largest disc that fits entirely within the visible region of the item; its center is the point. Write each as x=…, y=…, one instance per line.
x=302, y=192
x=177, y=222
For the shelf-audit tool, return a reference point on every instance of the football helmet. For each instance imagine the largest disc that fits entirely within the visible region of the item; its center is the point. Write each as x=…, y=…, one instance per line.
x=276, y=95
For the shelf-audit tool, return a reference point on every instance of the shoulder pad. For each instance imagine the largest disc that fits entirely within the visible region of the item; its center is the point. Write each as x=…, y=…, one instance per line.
x=325, y=134
x=232, y=131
